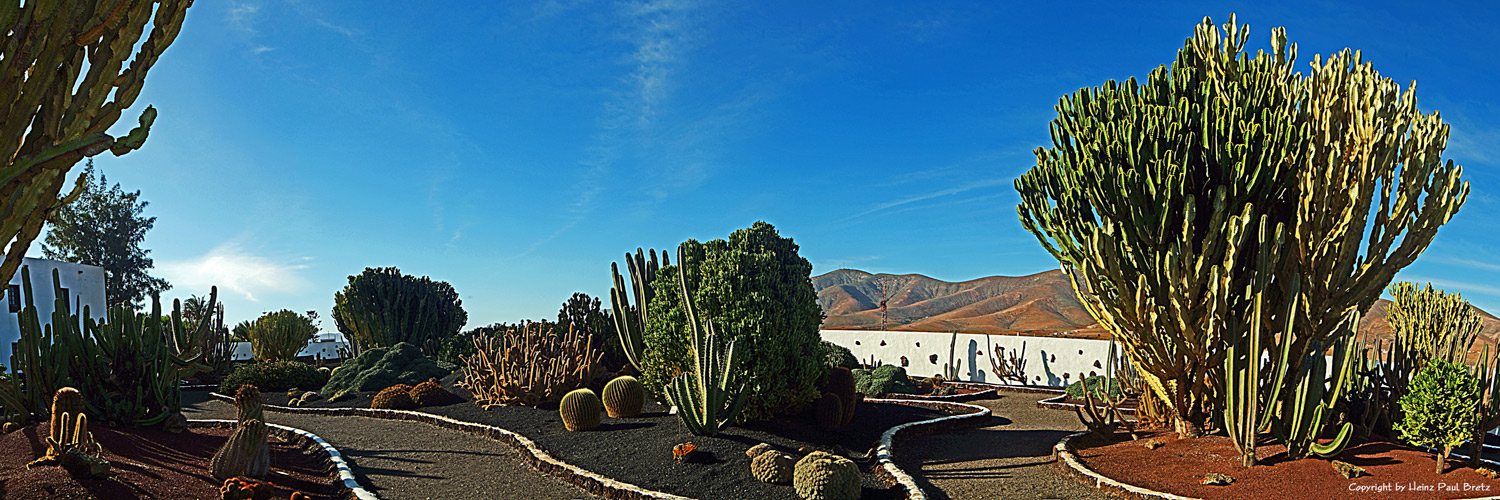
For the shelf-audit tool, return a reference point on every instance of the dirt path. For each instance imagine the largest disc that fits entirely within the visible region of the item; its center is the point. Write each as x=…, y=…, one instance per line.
x=1010, y=459
x=400, y=460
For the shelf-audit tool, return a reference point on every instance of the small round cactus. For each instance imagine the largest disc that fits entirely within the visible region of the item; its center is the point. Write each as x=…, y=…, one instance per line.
x=756, y=450
x=247, y=398
x=396, y=397
x=623, y=397
x=580, y=410
x=773, y=467
x=825, y=476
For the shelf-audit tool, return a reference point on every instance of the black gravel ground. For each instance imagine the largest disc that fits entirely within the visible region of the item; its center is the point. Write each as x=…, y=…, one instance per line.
x=639, y=450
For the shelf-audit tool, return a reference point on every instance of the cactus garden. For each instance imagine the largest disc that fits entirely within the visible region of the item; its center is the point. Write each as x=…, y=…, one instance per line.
x=1237, y=285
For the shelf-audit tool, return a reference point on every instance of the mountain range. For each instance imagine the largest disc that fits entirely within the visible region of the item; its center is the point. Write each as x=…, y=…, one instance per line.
x=1038, y=304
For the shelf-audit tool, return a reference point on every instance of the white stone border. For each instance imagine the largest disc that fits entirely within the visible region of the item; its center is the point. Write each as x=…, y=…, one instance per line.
x=345, y=473
x=1064, y=453
x=884, y=452
x=539, y=458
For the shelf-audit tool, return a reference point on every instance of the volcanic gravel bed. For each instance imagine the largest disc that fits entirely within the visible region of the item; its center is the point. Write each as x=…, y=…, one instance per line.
x=639, y=450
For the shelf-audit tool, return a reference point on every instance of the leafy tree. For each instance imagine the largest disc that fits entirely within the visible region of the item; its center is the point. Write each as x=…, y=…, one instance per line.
x=69, y=70
x=105, y=228
x=381, y=307
x=757, y=291
x=278, y=336
x=1439, y=409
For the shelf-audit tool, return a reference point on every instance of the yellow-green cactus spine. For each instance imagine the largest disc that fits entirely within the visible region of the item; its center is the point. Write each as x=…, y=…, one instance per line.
x=580, y=410
x=623, y=397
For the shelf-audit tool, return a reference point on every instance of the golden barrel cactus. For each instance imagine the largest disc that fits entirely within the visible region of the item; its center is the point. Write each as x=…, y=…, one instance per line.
x=624, y=396
x=580, y=410
x=773, y=467
x=825, y=476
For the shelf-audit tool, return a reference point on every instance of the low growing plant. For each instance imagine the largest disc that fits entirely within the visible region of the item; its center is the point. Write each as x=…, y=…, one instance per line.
x=883, y=380
x=274, y=376
x=1096, y=386
x=1439, y=408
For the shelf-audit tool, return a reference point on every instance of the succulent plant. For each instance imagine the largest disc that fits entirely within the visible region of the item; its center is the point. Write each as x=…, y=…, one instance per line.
x=580, y=410
x=841, y=383
x=773, y=467
x=242, y=488
x=244, y=454
x=624, y=396
x=685, y=452
x=247, y=400
x=829, y=411
x=396, y=397
x=825, y=476
x=430, y=393
x=756, y=450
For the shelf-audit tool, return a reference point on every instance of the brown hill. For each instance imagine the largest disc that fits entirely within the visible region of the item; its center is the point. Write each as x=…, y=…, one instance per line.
x=1039, y=304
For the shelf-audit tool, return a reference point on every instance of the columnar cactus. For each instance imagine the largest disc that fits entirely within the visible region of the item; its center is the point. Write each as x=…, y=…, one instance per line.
x=773, y=467
x=247, y=403
x=709, y=396
x=630, y=321
x=829, y=411
x=623, y=397
x=580, y=410
x=244, y=453
x=529, y=366
x=824, y=476
x=841, y=383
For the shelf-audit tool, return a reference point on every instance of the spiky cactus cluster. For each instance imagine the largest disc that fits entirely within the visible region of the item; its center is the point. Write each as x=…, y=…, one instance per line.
x=396, y=397
x=623, y=397
x=580, y=410
x=244, y=454
x=825, y=476
x=430, y=393
x=773, y=467
x=241, y=488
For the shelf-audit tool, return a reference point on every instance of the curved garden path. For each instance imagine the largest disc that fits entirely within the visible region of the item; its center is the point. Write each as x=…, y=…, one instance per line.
x=399, y=460
x=1010, y=458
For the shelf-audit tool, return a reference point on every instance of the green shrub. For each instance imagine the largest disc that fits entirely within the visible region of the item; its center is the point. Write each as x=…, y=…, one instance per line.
x=839, y=356
x=278, y=336
x=1438, y=412
x=273, y=376
x=1096, y=385
x=381, y=307
x=755, y=289
x=883, y=380
x=379, y=368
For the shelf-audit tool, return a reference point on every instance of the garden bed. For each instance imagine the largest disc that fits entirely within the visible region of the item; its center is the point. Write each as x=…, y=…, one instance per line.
x=1066, y=403
x=1393, y=470
x=150, y=463
x=639, y=450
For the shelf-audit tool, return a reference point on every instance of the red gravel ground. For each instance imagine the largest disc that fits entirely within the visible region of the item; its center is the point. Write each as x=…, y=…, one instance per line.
x=150, y=463
x=1394, y=471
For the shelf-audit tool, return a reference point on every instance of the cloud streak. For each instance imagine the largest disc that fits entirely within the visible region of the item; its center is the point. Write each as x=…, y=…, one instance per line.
x=927, y=196
x=235, y=270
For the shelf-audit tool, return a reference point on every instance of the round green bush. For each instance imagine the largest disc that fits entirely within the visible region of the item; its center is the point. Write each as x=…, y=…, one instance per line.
x=1438, y=410
x=755, y=289
x=1096, y=385
x=272, y=376
x=839, y=356
x=379, y=368
x=882, y=380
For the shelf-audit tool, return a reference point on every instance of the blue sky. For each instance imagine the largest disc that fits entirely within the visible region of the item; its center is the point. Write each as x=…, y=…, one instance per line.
x=516, y=151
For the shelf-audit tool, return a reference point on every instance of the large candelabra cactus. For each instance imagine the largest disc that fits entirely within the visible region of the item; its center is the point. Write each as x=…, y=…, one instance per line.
x=63, y=62
x=701, y=395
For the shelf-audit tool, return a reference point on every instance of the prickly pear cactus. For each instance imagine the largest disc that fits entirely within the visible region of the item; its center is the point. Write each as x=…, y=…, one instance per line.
x=773, y=467
x=825, y=476
x=830, y=411
x=580, y=410
x=396, y=397
x=624, y=396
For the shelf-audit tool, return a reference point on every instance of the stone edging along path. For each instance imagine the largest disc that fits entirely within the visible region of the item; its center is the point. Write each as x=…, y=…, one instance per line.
x=886, y=470
x=306, y=440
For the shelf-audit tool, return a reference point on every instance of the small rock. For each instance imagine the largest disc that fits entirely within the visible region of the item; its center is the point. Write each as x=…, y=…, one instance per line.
x=1348, y=470
x=1152, y=444
x=310, y=396
x=175, y=423
x=756, y=450
x=1217, y=479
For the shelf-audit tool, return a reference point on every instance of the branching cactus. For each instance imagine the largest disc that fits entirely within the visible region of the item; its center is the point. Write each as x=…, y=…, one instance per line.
x=630, y=321
x=701, y=395
x=1305, y=411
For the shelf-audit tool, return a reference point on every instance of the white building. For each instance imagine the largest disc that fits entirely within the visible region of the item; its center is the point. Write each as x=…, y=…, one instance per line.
x=82, y=285
x=328, y=346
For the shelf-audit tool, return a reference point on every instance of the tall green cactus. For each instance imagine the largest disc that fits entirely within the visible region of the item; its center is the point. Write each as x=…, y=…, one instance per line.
x=1430, y=324
x=54, y=112
x=1305, y=411
x=701, y=395
x=1149, y=190
x=382, y=307
x=1249, y=396
x=1488, y=410
x=630, y=321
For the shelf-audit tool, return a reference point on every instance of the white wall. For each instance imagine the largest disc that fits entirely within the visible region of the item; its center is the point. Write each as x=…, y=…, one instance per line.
x=85, y=286
x=1050, y=361
x=323, y=345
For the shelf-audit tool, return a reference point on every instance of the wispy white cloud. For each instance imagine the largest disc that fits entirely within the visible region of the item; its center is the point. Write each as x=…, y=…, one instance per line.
x=342, y=30
x=232, y=269
x=1462, y=287
x=242, y=15
x=1462, y=262
x=927, y=196
x=260, y=50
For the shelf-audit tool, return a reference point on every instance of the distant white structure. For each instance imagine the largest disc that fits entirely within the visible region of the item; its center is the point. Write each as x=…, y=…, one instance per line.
x=327, y=346
x=82, y=285
x=1049, y=361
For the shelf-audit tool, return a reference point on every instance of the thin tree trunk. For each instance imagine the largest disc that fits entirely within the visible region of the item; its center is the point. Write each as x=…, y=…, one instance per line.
x=1443, y=459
